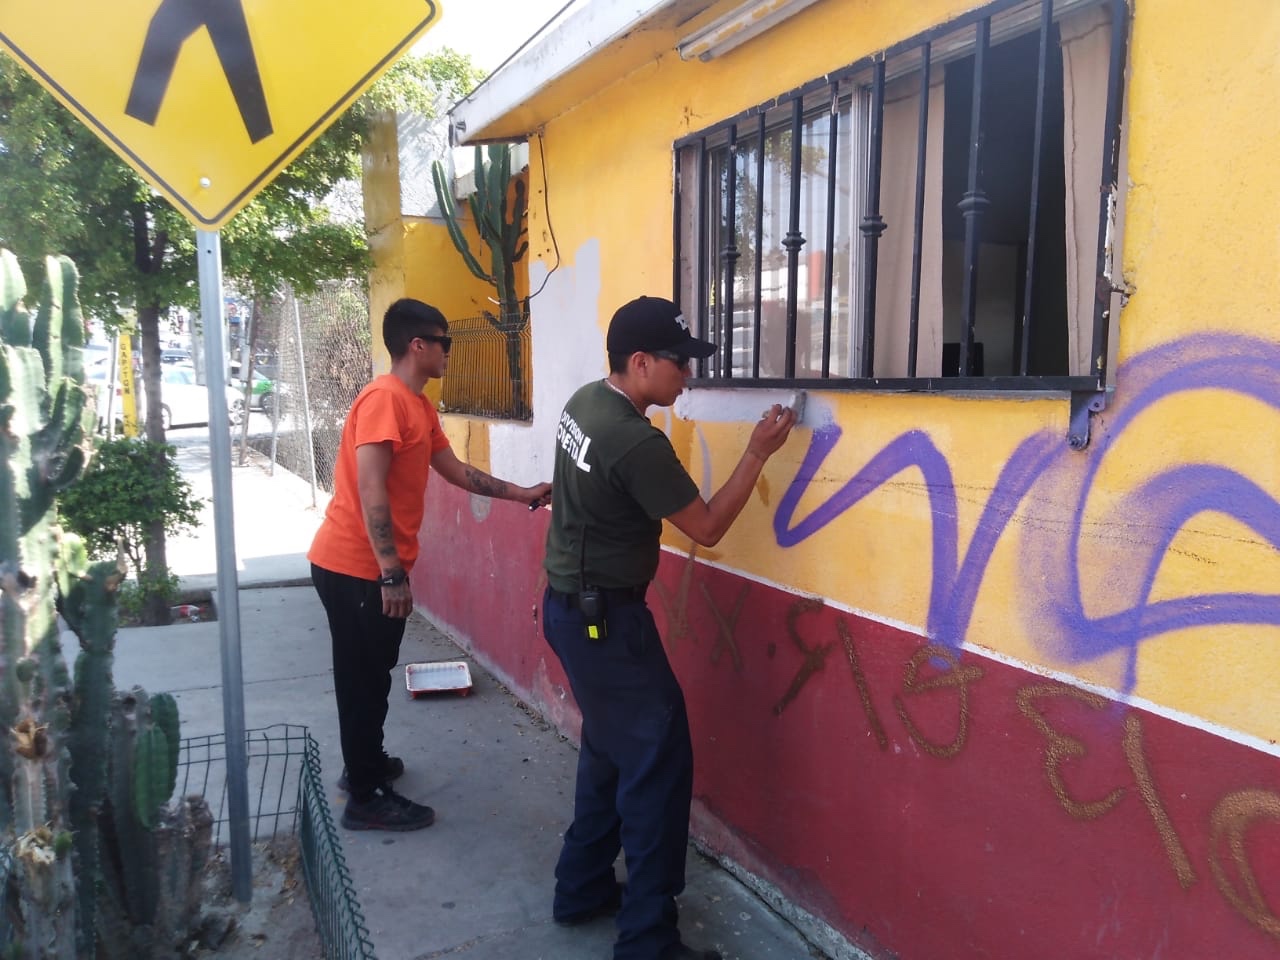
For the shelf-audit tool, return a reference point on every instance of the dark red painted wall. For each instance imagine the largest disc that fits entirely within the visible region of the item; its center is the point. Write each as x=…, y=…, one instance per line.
x=926, y=804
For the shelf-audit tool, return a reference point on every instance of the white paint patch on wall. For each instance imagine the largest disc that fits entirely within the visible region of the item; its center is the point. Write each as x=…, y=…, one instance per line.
x=480, y=507
x=567, y=350
x=741, y=405
x=419, y=142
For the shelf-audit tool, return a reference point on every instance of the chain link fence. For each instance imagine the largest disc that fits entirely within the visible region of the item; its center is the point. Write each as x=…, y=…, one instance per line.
x=312, y=356
x=315, y=352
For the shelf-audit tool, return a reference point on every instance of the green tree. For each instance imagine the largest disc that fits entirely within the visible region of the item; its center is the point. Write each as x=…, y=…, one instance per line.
x=120, y=497
x=65, y=191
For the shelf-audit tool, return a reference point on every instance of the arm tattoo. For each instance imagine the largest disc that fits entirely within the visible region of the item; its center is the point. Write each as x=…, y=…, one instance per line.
x=377, y=521
x=480, y=482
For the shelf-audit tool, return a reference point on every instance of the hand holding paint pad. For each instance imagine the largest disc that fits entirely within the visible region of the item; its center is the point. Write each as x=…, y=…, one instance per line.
x=796, y=405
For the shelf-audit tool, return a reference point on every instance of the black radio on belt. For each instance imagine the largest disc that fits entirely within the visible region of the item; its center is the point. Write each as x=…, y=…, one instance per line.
x=590, y=599
x=591, y=605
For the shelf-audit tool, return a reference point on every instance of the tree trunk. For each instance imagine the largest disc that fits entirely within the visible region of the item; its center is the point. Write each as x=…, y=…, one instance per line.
x=149, y=330
x=246, y=374
x=155, y=610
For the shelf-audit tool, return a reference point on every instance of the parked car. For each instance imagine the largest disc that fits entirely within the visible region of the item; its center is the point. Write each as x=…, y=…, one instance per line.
x=171, y=355
x=265, y=394
x=186, y=403
x=183, y=401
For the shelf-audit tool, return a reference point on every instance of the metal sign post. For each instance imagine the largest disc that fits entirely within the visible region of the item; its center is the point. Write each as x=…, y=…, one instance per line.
x=209, y=259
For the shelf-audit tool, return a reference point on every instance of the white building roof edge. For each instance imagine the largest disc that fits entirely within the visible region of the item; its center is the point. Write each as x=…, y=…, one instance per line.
x=569, y=40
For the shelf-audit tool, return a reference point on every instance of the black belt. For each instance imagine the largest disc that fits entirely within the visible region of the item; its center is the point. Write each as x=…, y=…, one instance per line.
x=611, y=595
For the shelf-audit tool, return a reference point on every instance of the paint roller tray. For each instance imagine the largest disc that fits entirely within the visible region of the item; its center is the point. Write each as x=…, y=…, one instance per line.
x=452, y=676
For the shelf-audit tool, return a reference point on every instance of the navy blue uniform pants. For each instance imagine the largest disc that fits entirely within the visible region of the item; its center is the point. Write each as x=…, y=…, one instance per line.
x=366, y=646
x=635, y=774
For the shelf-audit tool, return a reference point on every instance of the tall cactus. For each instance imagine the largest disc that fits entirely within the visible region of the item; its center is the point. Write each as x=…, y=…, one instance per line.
x=502, y=229
x=89, y=607
x=43, y=422
x=54, y=760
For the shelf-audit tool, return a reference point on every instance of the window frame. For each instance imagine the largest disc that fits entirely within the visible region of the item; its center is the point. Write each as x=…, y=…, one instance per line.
x=970, y=31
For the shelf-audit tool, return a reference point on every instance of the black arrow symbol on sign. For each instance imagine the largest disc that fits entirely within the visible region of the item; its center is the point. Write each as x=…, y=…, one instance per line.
x=171, y=26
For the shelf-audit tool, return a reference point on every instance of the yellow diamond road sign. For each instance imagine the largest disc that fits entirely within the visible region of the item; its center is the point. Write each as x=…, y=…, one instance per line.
x=210, y=99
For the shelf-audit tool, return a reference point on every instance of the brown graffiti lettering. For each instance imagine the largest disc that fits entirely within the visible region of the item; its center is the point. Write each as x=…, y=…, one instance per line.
x=726, y=627
x=1173, y=847
x=860, y=681
x=955, y=676
x=1062, y=747
x=677, y=606
x=1230, y=819
x=814, y=658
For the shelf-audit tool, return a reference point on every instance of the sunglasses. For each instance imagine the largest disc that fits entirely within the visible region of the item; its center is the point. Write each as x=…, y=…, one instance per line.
x=444, y=341
x=681, y=362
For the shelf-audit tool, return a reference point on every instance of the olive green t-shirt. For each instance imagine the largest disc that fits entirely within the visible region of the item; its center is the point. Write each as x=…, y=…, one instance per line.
x=616, y=476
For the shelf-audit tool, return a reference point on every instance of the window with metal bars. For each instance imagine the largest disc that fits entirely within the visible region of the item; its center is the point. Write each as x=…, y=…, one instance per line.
x=939, y=216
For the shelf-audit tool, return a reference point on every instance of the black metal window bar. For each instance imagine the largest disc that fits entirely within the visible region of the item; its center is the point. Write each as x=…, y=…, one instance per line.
x=812, y=161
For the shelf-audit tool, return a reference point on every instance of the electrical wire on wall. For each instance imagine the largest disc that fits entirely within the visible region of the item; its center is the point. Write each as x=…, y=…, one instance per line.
x=546, y=207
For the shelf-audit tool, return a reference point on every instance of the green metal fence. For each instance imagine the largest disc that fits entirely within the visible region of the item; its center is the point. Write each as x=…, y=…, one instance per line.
x=286, y=796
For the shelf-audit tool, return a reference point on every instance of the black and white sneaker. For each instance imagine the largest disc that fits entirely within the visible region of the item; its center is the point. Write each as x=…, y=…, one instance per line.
x=392, y=769
x=385, y=809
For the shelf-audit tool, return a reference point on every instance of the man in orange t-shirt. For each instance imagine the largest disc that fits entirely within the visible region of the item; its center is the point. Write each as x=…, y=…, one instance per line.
x=368, y=542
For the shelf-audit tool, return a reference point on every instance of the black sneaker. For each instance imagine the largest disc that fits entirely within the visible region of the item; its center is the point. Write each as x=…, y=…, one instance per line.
x=392, y=768
x=386, y=810
x=606, y=909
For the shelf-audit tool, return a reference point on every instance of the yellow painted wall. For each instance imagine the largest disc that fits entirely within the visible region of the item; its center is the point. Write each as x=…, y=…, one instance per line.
x=1204, y=103
x=1200, y=253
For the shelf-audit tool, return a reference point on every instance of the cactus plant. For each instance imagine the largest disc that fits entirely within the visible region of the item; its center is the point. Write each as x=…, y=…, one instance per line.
x=503, y=231
x=89, y=608
x=55, y=769
x=43, y=421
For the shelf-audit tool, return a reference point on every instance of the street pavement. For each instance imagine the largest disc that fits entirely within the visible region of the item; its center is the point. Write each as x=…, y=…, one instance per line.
x=477, y=884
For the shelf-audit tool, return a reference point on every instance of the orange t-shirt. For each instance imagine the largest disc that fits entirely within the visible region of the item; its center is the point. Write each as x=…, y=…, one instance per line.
x=385, y=410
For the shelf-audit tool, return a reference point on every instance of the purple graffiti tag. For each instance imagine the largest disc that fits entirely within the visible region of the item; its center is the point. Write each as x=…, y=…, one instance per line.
x=1154, y=513
x=913, y=449
x=954, y=609
x=953, y=590
x=1052, y=485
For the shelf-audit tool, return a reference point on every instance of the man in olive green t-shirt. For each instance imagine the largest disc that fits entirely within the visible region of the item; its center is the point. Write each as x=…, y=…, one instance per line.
x=616, y=479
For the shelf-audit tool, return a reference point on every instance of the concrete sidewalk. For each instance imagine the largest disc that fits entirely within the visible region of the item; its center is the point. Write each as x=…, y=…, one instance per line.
x=477, y=884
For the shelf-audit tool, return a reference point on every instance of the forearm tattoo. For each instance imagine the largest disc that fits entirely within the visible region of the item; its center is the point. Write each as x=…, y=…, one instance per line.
x=480, y=482
x=377, y=521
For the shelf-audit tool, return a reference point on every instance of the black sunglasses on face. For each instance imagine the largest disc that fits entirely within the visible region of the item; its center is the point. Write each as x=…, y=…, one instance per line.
x=444, y=341
x=682, y=362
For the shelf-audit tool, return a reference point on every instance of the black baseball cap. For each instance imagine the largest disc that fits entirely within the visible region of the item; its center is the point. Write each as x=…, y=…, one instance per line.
x=653, y=323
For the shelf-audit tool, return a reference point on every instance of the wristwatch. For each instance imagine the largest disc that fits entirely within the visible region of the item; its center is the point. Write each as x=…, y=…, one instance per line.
x=394, y=579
